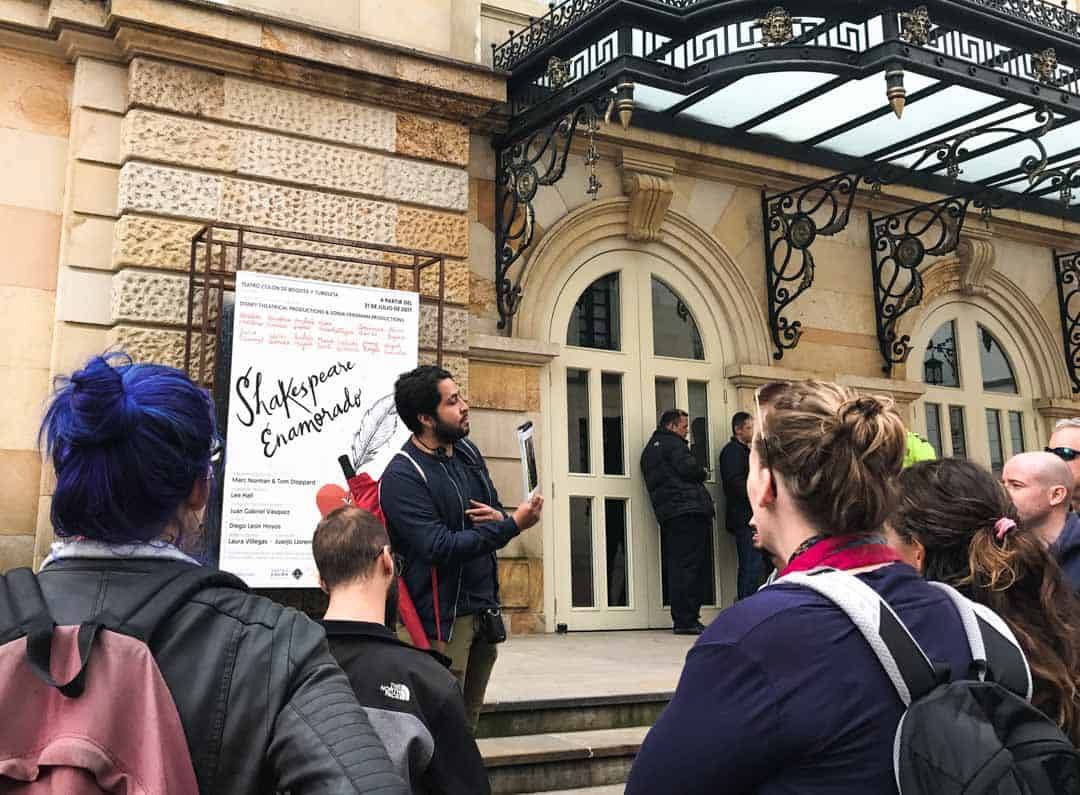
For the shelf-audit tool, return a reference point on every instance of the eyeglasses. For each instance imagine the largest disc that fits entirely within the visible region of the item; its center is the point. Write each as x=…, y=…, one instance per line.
x=1064, y=453
x=399, y=562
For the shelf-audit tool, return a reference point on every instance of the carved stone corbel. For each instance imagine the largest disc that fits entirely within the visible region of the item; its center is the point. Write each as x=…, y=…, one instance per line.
x=976, y=257
x=646, y=181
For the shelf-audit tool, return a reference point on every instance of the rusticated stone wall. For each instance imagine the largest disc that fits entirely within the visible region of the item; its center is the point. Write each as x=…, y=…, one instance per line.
x=35, y=117
x=196, y=147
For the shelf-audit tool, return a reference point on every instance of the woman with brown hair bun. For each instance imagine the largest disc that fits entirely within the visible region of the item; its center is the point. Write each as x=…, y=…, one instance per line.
x=783, y=693
x=956, y=524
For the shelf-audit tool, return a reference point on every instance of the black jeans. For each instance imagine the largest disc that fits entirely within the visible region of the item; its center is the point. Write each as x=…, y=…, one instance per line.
x=684, y=557
x=752, y=568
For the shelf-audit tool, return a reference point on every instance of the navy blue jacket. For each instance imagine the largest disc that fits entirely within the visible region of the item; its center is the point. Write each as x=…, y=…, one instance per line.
x=1067, y=550
x=425, y=516
x=480, y=587
x=782, y=694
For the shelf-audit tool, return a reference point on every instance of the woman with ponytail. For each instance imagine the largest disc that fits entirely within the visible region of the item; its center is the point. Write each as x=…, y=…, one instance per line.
x=782, y=693
x=956, y=524
x=263, y=705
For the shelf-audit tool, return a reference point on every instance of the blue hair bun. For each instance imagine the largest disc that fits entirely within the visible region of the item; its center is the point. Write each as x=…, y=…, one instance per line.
x=102, y=410
x=128, y=442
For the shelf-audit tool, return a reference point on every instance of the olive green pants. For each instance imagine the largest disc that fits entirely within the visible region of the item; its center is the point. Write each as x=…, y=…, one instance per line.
x=471, y=662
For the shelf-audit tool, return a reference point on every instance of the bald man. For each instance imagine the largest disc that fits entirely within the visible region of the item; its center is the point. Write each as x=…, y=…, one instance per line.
x=1041, y=486
x=1065, y=444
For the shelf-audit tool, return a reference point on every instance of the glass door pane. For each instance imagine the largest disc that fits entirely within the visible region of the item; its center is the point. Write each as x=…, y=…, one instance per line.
x=612, y=399
x=1016, y=431
x=698, y=393
x=956, y=431
x=933, y=427
x=581, y=552
x=665, y=396
x=617, y=565
x=993, y=437
x=577, y=414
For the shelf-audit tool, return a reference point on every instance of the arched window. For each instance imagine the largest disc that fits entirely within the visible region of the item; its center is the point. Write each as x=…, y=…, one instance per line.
x=594, y=323
x=974, y=406
x=675, y=333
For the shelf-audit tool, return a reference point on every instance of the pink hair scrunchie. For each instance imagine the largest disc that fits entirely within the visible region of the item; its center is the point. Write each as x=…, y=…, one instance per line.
x=1003, y=526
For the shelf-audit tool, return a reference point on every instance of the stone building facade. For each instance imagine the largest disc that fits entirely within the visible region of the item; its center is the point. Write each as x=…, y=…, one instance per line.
x=127, y=125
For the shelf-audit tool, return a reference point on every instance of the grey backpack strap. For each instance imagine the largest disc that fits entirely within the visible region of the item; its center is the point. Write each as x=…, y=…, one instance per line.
x=906, y=664
x=412, y=461
x=993, y=646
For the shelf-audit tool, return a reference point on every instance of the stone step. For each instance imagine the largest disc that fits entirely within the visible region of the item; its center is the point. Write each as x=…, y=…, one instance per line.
x=614, y=789
x=560, y=760
x=589, y=713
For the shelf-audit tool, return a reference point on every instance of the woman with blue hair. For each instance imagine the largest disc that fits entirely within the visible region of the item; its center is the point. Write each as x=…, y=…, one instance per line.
x=132, y=446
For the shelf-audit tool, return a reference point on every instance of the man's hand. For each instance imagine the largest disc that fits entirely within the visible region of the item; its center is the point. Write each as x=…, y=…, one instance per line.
x=528, y=513
x=480, y=513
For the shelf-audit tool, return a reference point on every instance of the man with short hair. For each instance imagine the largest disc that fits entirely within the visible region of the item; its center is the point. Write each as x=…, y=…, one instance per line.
x=1041, y=486
x=1065, y=444
x=411, y=698
x=445, y=519
x=734, y=467
x=684, y=511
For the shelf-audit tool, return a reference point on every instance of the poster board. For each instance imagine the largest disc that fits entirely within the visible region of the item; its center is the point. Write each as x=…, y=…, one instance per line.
x=312, y=378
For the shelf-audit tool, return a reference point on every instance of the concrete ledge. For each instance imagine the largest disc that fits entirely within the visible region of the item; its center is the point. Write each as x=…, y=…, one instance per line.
x=511, y=350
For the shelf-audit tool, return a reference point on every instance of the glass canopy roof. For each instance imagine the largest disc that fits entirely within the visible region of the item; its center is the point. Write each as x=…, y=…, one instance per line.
x=956, y=95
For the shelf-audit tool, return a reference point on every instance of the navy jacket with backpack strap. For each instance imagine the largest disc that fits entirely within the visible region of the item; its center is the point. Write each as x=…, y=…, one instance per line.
x=424, y=498
x=975, y=735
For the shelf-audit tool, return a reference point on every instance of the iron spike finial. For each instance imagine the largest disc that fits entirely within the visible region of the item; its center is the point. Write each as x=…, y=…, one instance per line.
x=894, y=89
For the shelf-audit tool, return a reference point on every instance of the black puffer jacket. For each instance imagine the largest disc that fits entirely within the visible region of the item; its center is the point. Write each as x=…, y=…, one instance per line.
x=674, y=479
x=264, y=705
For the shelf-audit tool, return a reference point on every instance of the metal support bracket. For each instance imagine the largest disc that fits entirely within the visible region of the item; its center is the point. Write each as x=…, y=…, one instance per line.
x=899, y=243
x=522, y=168
x=793, y=220
x=1067, y=277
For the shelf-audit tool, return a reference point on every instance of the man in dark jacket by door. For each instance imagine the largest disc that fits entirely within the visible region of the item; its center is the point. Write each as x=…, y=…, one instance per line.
x=685, y=512
x=734, y=467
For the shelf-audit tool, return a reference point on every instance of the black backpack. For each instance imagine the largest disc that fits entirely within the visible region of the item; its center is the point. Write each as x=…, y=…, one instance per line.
x=975, y=736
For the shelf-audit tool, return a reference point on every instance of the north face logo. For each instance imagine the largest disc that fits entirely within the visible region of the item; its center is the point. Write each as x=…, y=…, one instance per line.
x=395, y=691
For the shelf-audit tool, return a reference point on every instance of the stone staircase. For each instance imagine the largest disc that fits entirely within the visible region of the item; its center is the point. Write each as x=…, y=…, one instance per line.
x=565, y=746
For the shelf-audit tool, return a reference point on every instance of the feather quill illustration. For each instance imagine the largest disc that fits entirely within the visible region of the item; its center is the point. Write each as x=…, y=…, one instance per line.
x=376, y=429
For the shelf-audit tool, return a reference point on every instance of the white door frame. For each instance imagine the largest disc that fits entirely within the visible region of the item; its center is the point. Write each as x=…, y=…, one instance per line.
x=639, y=369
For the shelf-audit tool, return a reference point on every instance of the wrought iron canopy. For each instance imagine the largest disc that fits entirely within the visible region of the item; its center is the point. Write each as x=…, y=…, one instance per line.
x=948, y=94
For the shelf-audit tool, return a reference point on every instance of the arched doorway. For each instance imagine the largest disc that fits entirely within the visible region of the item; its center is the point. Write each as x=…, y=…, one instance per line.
x=637, y=340
x=584, y=246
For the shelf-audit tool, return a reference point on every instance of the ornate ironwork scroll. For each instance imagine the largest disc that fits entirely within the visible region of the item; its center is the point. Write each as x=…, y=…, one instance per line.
x=1053, y=15
x=899, y=243
x=521, y=169
x=1067, y=273
x=793, y=220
